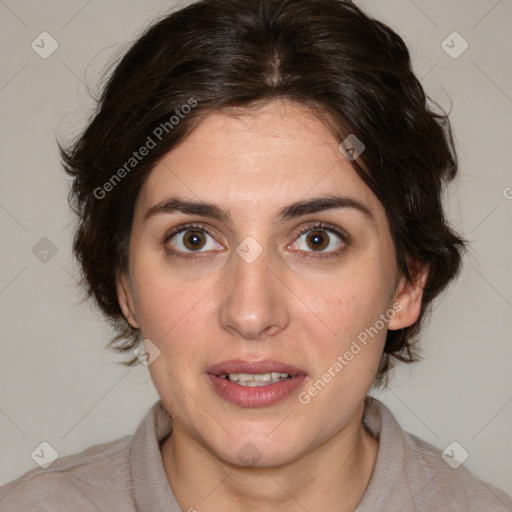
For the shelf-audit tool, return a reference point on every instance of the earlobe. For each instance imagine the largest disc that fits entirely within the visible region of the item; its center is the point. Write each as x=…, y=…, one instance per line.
x=125, y=298
x=409, y=296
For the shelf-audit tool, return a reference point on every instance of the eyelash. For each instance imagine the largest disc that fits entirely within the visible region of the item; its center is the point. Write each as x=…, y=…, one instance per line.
x=315, y=226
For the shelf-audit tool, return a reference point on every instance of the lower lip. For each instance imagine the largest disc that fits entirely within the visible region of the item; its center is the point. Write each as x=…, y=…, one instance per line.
x=255, y=396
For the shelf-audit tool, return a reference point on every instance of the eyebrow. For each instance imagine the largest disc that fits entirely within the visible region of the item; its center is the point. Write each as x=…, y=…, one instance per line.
x=291, y=211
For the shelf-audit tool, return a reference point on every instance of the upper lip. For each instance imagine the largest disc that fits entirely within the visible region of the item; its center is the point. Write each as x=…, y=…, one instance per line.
x=254, y=367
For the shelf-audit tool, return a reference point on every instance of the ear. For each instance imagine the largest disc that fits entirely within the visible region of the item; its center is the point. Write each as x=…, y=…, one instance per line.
x=408, y=295
x=125, y=298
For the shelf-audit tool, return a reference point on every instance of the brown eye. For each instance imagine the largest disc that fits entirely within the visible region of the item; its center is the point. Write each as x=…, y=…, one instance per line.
x=194, y=240
x=323, y=240
x=317, y=240
x=187, y=239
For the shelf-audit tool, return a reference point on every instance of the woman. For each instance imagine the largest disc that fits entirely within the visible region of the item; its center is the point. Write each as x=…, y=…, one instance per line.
x=259, y=197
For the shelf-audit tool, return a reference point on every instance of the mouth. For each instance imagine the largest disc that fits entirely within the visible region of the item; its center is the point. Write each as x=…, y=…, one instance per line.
x=254, y=383
x=263, y=372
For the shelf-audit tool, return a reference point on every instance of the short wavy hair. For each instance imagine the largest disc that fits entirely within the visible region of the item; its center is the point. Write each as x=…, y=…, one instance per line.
x=353, y=71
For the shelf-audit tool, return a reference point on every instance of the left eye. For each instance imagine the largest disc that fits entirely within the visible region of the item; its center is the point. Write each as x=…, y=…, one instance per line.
x=319, y=240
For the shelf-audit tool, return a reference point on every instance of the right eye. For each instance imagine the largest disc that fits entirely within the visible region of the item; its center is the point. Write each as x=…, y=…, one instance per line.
x=191, y=238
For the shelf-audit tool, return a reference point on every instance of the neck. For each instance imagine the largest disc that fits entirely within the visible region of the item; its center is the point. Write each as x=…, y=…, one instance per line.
x=333, y=476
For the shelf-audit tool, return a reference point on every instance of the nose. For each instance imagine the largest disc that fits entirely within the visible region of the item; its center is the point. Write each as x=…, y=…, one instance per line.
x=254, y=300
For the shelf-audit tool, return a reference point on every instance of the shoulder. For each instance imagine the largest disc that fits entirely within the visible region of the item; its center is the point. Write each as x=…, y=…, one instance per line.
x=96, y=478
x=445, y=480
x=413, y=475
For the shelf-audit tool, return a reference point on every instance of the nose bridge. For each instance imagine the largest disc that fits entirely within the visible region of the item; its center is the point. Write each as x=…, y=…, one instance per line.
x=252, y=305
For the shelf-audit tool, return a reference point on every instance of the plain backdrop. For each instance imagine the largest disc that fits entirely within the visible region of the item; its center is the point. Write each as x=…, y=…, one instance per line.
x=58, y=382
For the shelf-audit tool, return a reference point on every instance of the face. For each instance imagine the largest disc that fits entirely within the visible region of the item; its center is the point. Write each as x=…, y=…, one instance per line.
x=226, y=277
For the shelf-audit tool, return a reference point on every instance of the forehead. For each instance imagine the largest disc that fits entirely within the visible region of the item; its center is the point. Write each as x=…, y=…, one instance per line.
x=257, y=160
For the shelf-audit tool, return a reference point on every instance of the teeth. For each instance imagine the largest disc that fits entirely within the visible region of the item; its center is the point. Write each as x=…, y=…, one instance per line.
x=252, y=383
x=263, y=377
x=259, y=379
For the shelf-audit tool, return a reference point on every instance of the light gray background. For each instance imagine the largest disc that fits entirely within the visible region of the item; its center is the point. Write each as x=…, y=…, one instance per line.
x=58, y=383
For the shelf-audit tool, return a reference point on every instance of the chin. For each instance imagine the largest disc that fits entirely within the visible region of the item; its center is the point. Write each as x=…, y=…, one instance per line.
x=257, y=449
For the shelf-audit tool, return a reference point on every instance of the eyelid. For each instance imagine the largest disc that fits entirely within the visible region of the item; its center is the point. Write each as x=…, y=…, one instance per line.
x=186, y=227
x=325, y=226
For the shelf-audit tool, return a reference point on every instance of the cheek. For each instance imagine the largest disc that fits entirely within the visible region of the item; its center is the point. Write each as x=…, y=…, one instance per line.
x=347, y=357
x=175, y=317
x=349, y=301
x=348, y=332
x=166, y=302
x=177, y=314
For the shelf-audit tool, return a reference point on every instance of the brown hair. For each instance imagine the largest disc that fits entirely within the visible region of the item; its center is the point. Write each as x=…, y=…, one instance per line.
x=215, y=54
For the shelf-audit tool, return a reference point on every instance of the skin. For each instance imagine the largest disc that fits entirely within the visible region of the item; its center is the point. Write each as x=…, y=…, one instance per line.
x=292, y=304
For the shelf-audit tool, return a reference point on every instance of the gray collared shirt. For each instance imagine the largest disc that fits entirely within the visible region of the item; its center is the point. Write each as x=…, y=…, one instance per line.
x=128, y=475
